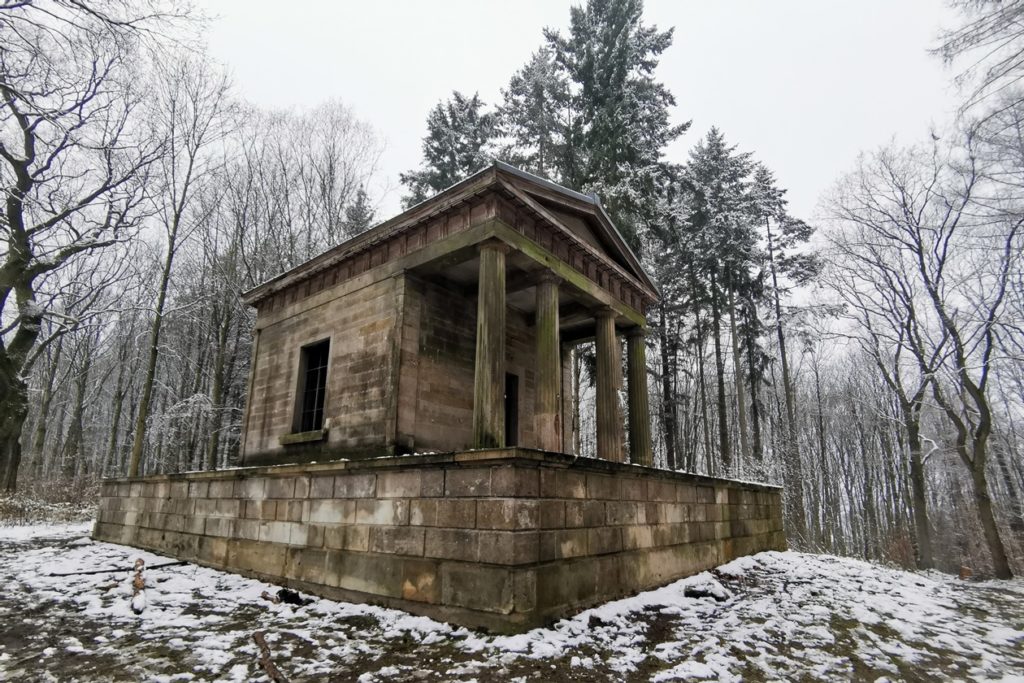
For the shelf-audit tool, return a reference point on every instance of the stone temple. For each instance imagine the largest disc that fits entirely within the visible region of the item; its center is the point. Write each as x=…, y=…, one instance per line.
x=407, y=437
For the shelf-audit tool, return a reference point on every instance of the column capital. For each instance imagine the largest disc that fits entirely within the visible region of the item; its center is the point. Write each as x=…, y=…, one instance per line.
x=548, y=275
x=636, y=331
x=494, y=245
x=604, y=312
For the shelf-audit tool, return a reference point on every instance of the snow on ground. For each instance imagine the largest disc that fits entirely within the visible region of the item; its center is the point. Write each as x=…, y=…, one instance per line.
x=768, y=617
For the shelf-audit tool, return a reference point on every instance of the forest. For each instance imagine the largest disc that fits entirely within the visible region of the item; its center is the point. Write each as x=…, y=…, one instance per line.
x=870, y=359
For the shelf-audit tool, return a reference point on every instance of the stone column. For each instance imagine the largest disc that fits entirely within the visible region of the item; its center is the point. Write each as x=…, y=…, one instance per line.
x=489, y=381
x=640, y=452
x=609, y=415
x=568, y=416
x=547, y=422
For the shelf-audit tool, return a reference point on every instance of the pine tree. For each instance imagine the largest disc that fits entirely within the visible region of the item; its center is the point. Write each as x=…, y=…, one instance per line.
x=359, y=215
x=534, y=118
x=459, y=134
x=723, y=244
x=620, y=113
x=784, y=260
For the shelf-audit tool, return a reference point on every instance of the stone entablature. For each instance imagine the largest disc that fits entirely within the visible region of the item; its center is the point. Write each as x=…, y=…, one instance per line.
x=504, y=539
x=493, y=201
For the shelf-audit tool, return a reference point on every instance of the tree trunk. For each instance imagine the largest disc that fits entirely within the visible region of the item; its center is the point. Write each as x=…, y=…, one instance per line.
x=725, y=451
x=919, y=498
x=670, y=406
x=791, y=456
x=737, y=366
x=142, y=416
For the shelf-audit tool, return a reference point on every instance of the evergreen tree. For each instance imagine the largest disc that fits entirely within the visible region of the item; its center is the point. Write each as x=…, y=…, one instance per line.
x=722, y=243
x=359, y=215
x=459, y=133
x=620, y=114
x=535, y=117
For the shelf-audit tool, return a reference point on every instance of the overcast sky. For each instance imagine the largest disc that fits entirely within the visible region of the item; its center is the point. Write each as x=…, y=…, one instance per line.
x=805, y=85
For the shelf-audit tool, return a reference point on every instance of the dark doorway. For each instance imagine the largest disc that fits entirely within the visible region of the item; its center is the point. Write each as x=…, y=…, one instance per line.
x=511, y=409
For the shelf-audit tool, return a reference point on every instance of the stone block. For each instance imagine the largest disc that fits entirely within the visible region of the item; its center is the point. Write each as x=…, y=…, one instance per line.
x=602, y=487
x=557, y=483
x=452, y=544
x=603, y=540
x=321, y=487
x=433, y=483
x=291, y=510
x=355, y=485
x=686, y=493
x=229, y=507
x=618, y=513
x=306, y=564
x=637, y=537
x=302, y=484
x=400, y=484
x=381, y=575
x=567, y=583
x=357, y=538
x=276, y=532
x=559, y=544
x=250, y=555
x=212, y=550
x=705, y=494
x=247, y=529
x=661, y=491
x=584, y=513
x=222, y=488
x=507, y=513
x=332, y=511
x=653, y=513
x=420, y=582
x=398, y=540
x=195, y=525
x=458, y=514
x=515, y=481
x=382, y=512
x=280, y=488
x=469, y=481
x=260, y=509
x=524, y=590
x=552, y=514
x=633, y=488
x=251, y=488
x=509, y=547
x=423, y=512
x=488, y=589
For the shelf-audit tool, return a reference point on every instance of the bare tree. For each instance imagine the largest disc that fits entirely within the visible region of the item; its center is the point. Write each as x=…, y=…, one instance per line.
x=73, y=165
x=924, y=212
x=192, y=109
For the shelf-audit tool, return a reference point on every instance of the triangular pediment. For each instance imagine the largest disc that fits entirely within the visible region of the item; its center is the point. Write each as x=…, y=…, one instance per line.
x=580, y=214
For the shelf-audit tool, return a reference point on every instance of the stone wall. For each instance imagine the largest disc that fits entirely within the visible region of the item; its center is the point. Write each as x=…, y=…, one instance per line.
x=438, y=364
x=502, y=539
x=361, y=328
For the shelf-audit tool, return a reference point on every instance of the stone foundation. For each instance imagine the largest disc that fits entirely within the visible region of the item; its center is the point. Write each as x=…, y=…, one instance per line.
x=505, y=539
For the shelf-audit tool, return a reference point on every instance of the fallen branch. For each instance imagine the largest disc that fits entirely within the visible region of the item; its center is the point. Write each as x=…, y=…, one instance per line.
x=265, y=661
x=119, y=569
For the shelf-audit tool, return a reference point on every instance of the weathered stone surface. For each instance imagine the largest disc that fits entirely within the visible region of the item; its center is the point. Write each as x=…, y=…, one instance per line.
x=504, y=539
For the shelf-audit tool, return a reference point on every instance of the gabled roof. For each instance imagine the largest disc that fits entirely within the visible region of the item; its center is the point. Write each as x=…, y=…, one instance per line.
x=557, y=204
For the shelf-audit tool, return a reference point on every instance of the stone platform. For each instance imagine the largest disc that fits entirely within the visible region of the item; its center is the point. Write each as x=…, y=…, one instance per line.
x=502, y=539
